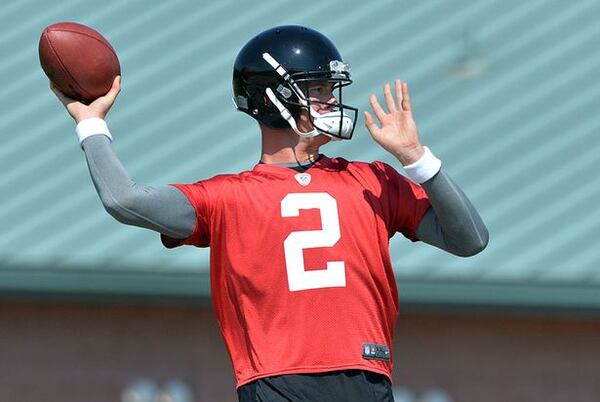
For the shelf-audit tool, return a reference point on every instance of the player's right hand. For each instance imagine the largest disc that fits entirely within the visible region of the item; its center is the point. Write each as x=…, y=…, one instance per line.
x=98, y=108
x=398, y=133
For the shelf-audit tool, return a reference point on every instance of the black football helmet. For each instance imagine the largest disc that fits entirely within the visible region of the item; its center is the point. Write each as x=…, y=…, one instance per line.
x=271, y=69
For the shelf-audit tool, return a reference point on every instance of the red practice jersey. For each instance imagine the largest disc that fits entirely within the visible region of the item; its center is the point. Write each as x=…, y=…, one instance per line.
x=301, y=276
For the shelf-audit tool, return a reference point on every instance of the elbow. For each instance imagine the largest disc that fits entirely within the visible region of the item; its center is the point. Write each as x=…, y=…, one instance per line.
x=475, y=245
x=119, y=208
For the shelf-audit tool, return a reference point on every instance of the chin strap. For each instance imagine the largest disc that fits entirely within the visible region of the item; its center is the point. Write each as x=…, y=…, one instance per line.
x=287, y=116
x=337, y=123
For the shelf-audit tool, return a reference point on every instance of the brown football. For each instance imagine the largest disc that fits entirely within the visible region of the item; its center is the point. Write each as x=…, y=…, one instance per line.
x=78, y=60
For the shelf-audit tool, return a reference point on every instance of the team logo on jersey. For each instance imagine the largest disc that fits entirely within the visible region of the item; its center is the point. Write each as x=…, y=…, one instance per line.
x=303, y=179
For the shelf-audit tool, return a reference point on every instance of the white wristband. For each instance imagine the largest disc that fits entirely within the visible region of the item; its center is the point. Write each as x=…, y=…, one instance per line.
x=92, y=126
x=425, y=168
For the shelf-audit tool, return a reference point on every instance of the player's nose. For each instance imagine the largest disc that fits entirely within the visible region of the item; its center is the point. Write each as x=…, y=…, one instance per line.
x=326, y=104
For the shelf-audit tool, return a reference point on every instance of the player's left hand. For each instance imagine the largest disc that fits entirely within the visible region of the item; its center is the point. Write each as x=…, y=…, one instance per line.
x=398, y=133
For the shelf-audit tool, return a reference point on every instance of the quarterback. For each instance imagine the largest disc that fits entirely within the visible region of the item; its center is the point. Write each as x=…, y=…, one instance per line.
x=301, y=277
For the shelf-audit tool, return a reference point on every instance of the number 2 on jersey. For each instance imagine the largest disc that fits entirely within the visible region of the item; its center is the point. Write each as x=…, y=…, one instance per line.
x=334, y=275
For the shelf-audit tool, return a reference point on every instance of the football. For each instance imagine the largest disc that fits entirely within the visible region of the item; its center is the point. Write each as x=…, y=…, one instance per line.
x=78, y=60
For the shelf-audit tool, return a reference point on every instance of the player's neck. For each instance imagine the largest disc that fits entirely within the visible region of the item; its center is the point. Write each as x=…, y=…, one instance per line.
x=284, y=147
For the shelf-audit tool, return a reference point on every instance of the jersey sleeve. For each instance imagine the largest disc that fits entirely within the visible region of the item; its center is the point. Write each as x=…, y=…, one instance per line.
x=405, y=202
x=199, y=198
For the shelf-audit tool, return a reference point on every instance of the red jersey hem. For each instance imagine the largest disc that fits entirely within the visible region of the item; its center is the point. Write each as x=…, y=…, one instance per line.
x=312, y=369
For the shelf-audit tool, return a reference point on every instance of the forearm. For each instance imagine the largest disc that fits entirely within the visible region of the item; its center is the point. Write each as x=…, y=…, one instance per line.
x=163, y=209
x=452, y=223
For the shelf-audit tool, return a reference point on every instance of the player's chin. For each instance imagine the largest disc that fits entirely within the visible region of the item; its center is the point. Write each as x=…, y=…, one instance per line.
x=320, y=140
x=325, y=138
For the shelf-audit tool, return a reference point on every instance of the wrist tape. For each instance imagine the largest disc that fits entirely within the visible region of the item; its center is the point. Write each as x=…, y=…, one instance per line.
x=423, y=169
x=92, y=126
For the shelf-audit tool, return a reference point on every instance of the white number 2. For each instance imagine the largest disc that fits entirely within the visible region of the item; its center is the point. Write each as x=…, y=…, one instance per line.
x=299, y=278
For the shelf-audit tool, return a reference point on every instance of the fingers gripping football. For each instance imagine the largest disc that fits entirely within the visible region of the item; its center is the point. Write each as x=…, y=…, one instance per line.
x=98, y=108
x=395, y=129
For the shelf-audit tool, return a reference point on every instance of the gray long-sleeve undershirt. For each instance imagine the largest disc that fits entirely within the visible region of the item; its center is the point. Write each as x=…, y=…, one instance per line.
x=160, y=208
x=452, y=224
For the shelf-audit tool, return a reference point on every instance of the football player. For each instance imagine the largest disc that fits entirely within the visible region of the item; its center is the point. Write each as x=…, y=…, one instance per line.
x=301, y=279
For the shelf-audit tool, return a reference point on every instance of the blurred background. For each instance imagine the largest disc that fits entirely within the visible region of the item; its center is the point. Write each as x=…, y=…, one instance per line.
x=505, y=93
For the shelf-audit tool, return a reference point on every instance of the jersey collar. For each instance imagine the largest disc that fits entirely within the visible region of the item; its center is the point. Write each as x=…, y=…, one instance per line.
x=322, y=163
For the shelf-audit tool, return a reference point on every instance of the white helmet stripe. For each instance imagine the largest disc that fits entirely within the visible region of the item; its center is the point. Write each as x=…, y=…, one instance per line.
x=284, y=74
x=276, y=66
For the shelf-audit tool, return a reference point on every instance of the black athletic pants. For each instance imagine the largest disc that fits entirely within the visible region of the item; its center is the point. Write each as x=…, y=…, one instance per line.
x=333, y=386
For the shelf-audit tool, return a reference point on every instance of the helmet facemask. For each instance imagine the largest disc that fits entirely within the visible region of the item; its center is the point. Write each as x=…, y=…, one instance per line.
x=337, y=122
